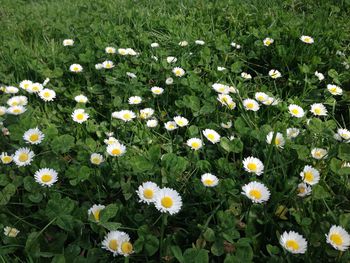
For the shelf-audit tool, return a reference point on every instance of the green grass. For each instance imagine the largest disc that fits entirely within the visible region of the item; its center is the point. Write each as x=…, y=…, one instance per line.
x=215, y=224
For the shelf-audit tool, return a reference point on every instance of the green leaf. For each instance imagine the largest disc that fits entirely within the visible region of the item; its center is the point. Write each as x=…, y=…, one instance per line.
x=177, y=253
x=273, y=250
x=141, y=164
x=6, y=194
x=319, y=192
x=108, y=212
x=344, y=152
x=111, y=225
x=32, y=246
x=151, y=245
x=235, y=145
x=62, y=144
x=209, y=235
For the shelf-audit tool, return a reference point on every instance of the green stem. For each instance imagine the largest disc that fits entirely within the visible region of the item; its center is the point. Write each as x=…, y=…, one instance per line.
x=162, y=230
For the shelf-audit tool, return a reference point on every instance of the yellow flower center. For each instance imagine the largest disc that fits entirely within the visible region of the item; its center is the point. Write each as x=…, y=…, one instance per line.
x=255, y=193
x=148, y=193
x=211, y=136
x=16, y=110
x=307, y=39
x=317, y=111
x=26, y=86
x=301, y=190
x=96, y=160
x=15, y=103
x=295, y=111
x=318, y=154
x=23, y=157
x=250, y=105
x=116, y=151
x=252, y=166
x=75, y=69
x=268, y=42
x=34, y=137
x=126, y=247
x=195, y=145
x=167, y=202
x=127, y=116
x=177, y=72
x=334, y=89
x=113, y=245
x=208, y=182
x=6, y=159
x=308, y=176
x=46, y=94
x=80, y=116
x=261, y=98
x=292, y=244
x=171, y=126
x=277, y=141
x=336, y=239
x=180, y=122
x=46, y=178
x=97, y=214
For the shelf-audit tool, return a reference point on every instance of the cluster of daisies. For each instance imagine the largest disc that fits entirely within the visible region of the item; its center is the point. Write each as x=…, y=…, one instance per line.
x=167, y=200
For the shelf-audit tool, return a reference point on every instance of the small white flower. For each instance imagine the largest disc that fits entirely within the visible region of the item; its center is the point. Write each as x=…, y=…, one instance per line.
x=124, y=115
x=257, y=192
x=110, y=140
x=178, y=72
x=168, y=200
x=250, y=104
x=33, y=136
x=146, y=113
x=261, y=96
x=23, y=157
x=116, y=149
x=122, y=51
x=183, y=43
x=246, y=75
x=221, y=68
x=79, y=116
x=107, y=64
x=147, y=192
x=95, y=211
x=134, y=100
x=253, y=165
x=16, y=110
x=46, y=81
x=110, y=50
x=157, y=90
x=46, y=177
x=304, y=190
x=76, y=68
x=319, y=75
x=268, y=41
x=279, y=139
x=212, y=135
x=131, y=52
x=154, y=45
x=293, y=242
x=199, y=42
x=170, y=125
x=338, y=238
x=292, y=133
x=10, y=231
x=96, y=158
x=169, y=81
x=154, y=58
x=334, y=89
x=194, y=143
x=296, y=111
x=181, y=121
x=310, y=175
x=209, y=180
x=3, y=110
x=274, y=73
x=81, y=98
x=318, y=109
x=131, y=75
x=152, y=123
x=319, y=153
x=68, y=42
x=226, y=100
x=98, y=66
x=25, y=84
x=307, y=39
x=11, y=90
x=6, y=158
x=344, y=134
x=226, y=125
x=221, y=88
x=35, y=88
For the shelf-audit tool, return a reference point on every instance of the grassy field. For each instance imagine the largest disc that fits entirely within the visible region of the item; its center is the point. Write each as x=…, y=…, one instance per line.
x=220, y=222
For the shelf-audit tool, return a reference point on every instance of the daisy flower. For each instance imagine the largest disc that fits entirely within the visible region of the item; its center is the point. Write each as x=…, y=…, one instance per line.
x=257, y=192
x=168, y=200
x=183, y=43
x=98, y=66
x=338, y=238
x=23, y=157
x=319, y=153
x=46, y=177
x=134, y=100
x=107, y=64
x=209, y=180
x=274, y=73
x=79, y=116
x=181, y=121
x=147, y=192
x=68, y=42
x=76, y=68
x=33, y=136
x=110, y=140
x=96, y=158
x=124, y=115
x=261, y=96
x=279, y=139
x=95, y=211
x=307, y=39
x=47, y=94
x=271, y=101
x=221, y=68
x=318, y=109
x=246, y=75
x=199, y=42
x=310, y=175
x=194, y=143
x=110, y=50
x=5, y=158
x=46, y=81
x=152, y=123
x=10, y=231
x=292, y=133
x=146, y=113
x=169, y=81
x=296, y=111
x=170, y=125
x=334, y=89
x=122, y=51
x=344, y=134
x=16, y=110
x=35, y=88
x=17, y=101
x=118, y=243
x=25, y=84
x=81, y=98
x=178, y=72
x=116, y=149
x=250, y=104
x=11, y=90
x=131, y=52
x=226, y=125
x=221, y=88
x=268, y=41
x=3, y=110
x=319, y=75
x=131, y=75
x=211, y=135
x=293, y=242
x=226, y=100
x=171, y=59
x=304, y=190
x=253, y=165
x=157, y=90
x=154, y=45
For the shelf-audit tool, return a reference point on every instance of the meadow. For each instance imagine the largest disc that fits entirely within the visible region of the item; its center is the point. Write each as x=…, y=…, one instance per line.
x=174, y=131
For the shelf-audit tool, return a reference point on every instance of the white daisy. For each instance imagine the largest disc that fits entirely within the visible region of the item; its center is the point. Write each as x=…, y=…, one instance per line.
x=17, y=101
x=131, y=52
x=253, y=165
x=319, y=153
x=23, y=157
x=146, y=113
x=68, y=42
x=16, y=110
x=154, y=45
x=122, y=51
x=296, y=111
x=96, y=158
x=47, y=94
x=152, y=123
x=183, y=43
x=10, y=231
x=293, y=242
x=147, y=192
x=292, y=133
x=116, y=149
x=110, y=140
x=171, y=59
x=157, y=90
x=46, y=177
x=3, y=110
x=268, y=41
x=35, y=88
x=170, y=125
x=95, y=211
x=33, y=136
x=181, y=121
x=80, y=116
x=226, y=100
x=110, y=50
x=279, y=139
x=344, y=134
x=199, y=42
x=168, y=200
x=131, y=75
x=274, y=73
x=221, y=68
x=98, y=66
x=307, y=39
x=169, y=81
x=338, y=238
x=226, y=125
x=318, y=109
x=212, y=135
x=304, y=190
x=11, y=90
x=124, y=115
x=178, y=72
x=118, y=243
x=134, y=100
x=246, y=75
x=25, y=84
x=261, y=96
x=319, y=75
x=209, y=180
x=46, y=81
x=257, y=192
x=221, y=88
x=310, y=175
x=81, y=98
x=76, y=68
x=250, y=104
x=334, y=89
x=194, y=143
x=107, y=64
x=6, y=158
